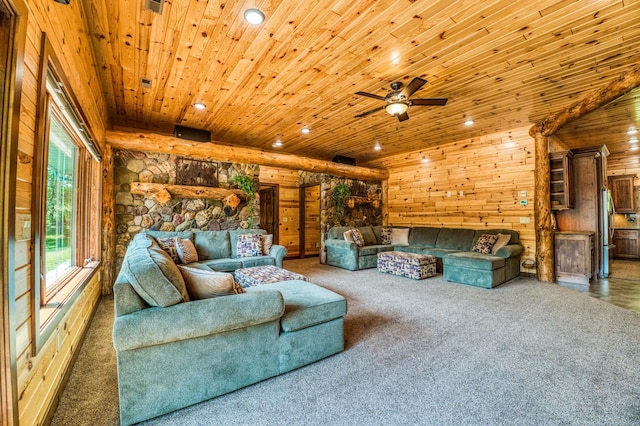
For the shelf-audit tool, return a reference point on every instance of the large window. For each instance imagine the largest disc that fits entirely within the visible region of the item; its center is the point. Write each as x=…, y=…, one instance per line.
x=66, y=197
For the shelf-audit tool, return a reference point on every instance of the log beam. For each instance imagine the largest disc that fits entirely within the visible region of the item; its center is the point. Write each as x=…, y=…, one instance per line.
x=183, y=191
x=154, y=142
x=547, y=127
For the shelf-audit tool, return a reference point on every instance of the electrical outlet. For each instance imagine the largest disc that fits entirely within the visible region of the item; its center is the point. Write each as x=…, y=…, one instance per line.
x=448, y=193
x=525, y=220
x=523, y=194
x=285, y=219
x=461, y=193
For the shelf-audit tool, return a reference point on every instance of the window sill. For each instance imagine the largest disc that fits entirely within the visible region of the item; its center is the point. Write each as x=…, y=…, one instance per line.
x=66, y=295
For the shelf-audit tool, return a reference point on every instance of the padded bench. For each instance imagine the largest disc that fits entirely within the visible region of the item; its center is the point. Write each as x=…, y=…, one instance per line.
x=258, y=275
x=410, y=265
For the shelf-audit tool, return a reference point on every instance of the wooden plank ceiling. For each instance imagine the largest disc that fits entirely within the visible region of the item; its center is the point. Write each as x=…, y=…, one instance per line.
x=502, y=63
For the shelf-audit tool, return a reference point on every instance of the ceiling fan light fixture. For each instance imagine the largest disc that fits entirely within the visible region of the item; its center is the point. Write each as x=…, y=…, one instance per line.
x=254, y=16
x=396, y=108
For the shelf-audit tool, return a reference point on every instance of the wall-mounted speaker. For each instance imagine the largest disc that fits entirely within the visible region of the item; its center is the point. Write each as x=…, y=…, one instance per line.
x=192, y=134
x=63, y=1
x=344, y=160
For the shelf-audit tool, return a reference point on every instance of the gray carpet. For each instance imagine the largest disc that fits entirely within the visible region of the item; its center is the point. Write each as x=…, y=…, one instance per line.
x=420, y=352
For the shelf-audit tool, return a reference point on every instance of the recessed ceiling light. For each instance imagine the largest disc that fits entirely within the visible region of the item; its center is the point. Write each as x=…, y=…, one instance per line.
x=632, y=132
x=277, y=144
x=199, y=105
x=424, y=160
x=254, y=16
x=377, y=147
x=468, y=122
x=305, y=130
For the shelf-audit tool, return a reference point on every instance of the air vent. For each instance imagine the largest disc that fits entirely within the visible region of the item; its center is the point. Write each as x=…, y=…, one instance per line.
x=145, y=82
x=154, y=5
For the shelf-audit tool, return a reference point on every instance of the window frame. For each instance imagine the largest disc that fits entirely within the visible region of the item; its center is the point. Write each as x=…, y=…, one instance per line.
x=48, y=308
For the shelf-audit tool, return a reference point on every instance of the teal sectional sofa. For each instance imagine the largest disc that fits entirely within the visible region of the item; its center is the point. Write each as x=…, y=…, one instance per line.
x=189, y=351
x=450, y=246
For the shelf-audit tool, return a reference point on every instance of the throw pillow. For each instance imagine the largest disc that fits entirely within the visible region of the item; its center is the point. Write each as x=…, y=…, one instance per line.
x=249, y=245
x=358, y=238
x=169, y=245
x=503, y=240
x=267, y=242
x=348, y=236
x=187, y=252
x=152, y=273
x=485, y=243
x=400, y=236
x=385, y=236
x=203, y=284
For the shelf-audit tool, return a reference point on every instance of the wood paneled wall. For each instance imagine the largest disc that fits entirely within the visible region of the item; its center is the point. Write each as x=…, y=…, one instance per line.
x=624, y=164
x=39, y=375
x=473, y=183
x=289, y=212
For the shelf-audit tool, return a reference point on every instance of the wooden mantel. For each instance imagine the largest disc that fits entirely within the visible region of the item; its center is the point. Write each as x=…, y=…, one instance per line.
x=147, y=141
x=159, y=191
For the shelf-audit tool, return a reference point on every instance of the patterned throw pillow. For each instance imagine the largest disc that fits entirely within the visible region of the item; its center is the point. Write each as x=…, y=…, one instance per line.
x=385, y=236
x=485, y=243
x=358, y=238
x=187, y=252
x=249, y=245
x=203, y=284
x=169, y=245
x=267, y=242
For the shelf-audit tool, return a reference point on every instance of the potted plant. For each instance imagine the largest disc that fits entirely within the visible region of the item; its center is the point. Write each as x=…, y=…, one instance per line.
x=250, y=188
x=340, y=195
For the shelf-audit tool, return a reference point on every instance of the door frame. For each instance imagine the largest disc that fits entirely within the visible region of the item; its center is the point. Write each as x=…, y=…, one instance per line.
x=276, y=209
x=16, y=13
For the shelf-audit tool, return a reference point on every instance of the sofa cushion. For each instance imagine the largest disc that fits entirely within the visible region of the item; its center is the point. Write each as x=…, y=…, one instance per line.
x=168, y=234
x=337, y=232
x=400, y=236
x=367, y=250
x=203, y=284
x=248, y=262
x=306, y=304
x=423, y=236
x=233, y=237
x=186, y=250
x=358, y=238
x=212, y=244
x=455, y=239
x=152, y=273
x=369, y=236
x=485, y=243
x=249, y=245
x=473, y=260
x=224, y=265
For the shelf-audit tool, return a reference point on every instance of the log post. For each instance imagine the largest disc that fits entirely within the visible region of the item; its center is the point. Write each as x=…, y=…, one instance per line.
x=108, y=221
x=545, y=262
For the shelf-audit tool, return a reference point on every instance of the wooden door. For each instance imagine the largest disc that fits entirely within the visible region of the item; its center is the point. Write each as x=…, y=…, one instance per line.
x=268, y=211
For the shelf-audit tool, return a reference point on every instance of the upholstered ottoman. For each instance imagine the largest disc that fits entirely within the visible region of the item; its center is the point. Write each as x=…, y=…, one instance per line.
x=258, y=275
x=410, y=265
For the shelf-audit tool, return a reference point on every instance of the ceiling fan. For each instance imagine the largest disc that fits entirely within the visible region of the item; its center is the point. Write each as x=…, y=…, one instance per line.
x=398, y=101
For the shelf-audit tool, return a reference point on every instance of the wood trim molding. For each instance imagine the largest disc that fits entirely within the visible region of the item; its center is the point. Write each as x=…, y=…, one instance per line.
x=541, y=131
x=15, y=13
x=155, y=142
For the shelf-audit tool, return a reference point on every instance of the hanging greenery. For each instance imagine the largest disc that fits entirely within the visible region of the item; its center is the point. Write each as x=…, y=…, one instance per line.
x=340, y=195
x=250, y=188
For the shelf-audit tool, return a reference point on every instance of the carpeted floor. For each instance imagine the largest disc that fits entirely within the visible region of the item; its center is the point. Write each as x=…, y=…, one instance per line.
x=419, y=353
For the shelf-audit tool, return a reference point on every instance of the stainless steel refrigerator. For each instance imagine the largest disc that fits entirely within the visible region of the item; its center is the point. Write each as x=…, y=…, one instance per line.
x=607, y=226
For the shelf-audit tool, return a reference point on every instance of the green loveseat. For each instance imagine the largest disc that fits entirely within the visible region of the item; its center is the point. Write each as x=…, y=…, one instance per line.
x=177, y=353
x=450, y=246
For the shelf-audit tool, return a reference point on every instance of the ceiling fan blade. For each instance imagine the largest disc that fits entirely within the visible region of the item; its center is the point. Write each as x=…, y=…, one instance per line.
x=364, y=114
x=430, y=101
x=371, y=95
x=415, y=84
x=402, y=117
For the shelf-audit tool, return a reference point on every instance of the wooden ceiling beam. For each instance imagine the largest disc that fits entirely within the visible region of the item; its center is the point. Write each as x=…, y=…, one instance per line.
x=133, y=140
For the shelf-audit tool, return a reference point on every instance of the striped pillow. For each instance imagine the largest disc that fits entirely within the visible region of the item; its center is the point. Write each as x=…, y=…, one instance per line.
x=186, y=251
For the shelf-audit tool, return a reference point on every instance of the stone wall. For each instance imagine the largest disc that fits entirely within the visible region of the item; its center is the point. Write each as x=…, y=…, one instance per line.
x=134, y=212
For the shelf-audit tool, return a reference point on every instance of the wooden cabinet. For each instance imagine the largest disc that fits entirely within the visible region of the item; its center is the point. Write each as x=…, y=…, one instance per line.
x=626, y=244
x=560, y=164
x=575, y=257
x=622, y=193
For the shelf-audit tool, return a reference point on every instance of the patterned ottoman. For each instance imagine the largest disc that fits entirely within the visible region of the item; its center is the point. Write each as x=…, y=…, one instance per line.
x=256, y=275
x=410, y=265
